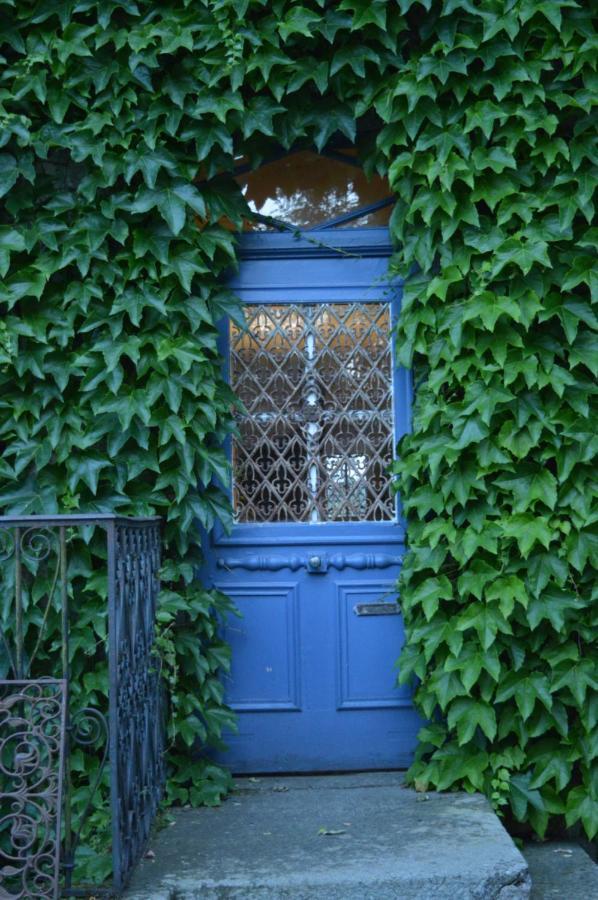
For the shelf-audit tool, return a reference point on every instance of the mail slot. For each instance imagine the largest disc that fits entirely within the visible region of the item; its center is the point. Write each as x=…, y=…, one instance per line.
x=377, y=609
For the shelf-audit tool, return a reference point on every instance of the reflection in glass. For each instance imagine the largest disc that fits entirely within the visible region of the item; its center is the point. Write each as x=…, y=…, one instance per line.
x=316, y=440
x=306, y=190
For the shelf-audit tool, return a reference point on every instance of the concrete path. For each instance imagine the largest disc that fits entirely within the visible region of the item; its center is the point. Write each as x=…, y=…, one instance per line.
x=339, y=837
x=561, y=870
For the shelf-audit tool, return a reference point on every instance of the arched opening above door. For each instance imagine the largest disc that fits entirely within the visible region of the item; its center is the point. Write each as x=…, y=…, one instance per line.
x=307, y=191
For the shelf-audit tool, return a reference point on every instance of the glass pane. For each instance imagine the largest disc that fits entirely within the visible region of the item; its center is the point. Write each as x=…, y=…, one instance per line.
x=379, y=218
x=305, y=190
x=316, y=439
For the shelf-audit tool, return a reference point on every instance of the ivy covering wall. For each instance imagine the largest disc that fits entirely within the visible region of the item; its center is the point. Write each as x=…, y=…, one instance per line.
x=119, y=122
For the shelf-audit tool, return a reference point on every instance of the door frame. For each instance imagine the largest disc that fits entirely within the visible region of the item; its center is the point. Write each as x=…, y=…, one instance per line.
x=268, y=266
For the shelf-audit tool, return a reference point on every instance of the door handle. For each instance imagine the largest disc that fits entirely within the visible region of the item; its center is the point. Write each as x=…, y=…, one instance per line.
x=316, y=565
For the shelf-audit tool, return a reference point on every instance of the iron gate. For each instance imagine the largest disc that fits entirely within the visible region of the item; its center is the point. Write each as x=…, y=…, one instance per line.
x=39, y=725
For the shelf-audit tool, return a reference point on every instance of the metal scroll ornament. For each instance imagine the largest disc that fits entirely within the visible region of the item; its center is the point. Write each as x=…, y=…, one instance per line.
x=316, y=440
x=32, y=739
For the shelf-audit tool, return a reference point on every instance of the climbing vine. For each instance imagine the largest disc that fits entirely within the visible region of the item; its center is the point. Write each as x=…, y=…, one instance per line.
x=119, y=126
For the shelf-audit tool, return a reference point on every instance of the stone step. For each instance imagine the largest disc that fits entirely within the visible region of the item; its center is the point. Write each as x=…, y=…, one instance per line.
x=561, y=870
x=334, y=837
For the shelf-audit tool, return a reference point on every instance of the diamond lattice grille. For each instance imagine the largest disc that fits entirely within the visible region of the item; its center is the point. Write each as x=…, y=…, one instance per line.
x=316, y=439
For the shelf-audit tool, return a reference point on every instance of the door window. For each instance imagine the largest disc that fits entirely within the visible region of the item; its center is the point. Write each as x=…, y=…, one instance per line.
x=316, y=437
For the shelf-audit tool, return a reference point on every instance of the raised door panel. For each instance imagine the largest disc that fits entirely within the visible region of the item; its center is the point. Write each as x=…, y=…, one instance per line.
x=370, y=638
x=264, y=641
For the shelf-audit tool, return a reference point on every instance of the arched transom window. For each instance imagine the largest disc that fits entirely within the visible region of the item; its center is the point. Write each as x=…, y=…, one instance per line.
x=305, y=190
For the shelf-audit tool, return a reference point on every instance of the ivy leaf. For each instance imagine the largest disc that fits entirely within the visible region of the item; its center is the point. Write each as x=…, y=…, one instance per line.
x=336, y=120
x=299, y=20
x=486, y=621
x=469, y=431
x=508, y=590
x=9, y=172
x=87, y=470
x=496, y=158
x=528, y=690
x=446, y=686
x=372, y=12
x=186, y=265
x=552, y=605
x=26, y=283
x=582, y=804
x=523, y=796
x=258, y=116
x=466, y=715
x=172, y=203
x=11, y=241
x=523, y=254
x=578, y=678
x=150, y=163
x=429, y=594
x=536, y=485
x=528, y=530
x=552, y=766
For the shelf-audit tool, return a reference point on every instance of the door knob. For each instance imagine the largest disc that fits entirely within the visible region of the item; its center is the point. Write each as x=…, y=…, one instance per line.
x=317, y=565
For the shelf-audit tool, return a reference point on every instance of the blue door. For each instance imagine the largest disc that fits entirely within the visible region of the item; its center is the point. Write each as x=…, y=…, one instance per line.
x=317, y=544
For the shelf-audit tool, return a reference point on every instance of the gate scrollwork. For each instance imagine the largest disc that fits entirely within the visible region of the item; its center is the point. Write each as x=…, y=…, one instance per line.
x=32, y=729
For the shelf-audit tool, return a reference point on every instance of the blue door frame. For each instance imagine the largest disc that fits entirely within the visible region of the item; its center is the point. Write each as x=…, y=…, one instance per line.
x=313, y=677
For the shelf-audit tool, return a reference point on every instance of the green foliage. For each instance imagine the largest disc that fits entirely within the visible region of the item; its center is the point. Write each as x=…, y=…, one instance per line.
x=118, y=124
x=490, y=132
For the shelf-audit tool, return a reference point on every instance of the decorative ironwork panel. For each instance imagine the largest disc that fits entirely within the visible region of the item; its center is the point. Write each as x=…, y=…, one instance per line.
x=36, y=587
x=316, y=438
x=34, y=574
x=32, y=741
x=137, y=731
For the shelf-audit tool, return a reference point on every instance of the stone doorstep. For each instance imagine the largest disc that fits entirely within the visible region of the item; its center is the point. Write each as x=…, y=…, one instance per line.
x=334, y=837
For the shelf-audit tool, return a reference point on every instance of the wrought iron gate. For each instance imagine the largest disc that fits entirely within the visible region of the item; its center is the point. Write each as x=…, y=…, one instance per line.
x=40, y=727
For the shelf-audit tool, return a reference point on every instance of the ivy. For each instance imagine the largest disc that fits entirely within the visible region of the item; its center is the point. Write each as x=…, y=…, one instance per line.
x=496, y=479
x=119, y=126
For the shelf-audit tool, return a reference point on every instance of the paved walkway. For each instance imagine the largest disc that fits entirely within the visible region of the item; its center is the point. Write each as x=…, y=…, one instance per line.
x=561, y=871
x=339, y=837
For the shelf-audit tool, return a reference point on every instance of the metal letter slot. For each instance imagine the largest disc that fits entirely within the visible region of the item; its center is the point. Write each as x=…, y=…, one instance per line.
x=377, y=609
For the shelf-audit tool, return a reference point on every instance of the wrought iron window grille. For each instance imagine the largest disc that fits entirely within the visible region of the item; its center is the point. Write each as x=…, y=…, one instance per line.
x=317, y=435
